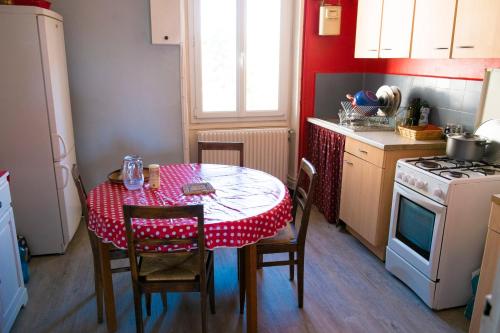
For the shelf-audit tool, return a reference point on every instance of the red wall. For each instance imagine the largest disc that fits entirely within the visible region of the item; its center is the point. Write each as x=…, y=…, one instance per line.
x=335, y=54
x=449, y=68
x=325, y=54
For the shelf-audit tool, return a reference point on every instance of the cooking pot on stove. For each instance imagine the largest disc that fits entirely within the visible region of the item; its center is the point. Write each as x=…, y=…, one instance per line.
x=466, y=146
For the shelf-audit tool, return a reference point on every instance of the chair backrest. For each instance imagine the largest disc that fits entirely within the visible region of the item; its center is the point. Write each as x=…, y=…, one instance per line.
x=213, y=145
x=82, y=194
x=137, y=247
x=303, y=197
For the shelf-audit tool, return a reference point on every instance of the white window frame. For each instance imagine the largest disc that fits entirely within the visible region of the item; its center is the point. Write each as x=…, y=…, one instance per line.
x=285, y=73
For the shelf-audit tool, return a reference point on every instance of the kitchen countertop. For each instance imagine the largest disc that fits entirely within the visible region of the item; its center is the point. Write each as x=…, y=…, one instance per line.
x=380, y=139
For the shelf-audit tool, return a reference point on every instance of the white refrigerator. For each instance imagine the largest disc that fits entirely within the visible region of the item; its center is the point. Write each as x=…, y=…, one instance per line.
x=36, y=127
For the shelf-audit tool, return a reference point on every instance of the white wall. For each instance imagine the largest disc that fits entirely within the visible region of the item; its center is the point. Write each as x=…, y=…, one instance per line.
x=125, y=92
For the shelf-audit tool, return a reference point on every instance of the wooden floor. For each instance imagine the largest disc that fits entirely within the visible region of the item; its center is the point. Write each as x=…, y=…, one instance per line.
x=346, y=288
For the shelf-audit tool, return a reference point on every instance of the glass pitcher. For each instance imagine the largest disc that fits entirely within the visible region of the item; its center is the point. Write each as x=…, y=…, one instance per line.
x=133, y=177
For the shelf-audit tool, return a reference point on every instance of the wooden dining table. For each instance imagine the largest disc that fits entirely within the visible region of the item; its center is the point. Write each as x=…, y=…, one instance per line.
x=247, y=206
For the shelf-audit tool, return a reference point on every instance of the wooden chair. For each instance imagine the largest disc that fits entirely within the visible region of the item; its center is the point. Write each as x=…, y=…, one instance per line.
x=180, y=270
x=289, y=240
x=212, y=145
x=115, y=254
x=223, y=145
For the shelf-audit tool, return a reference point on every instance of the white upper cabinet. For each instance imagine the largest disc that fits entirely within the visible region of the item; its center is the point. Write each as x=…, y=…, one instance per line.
x=433, y=28
x=368, y=28
x=477, y=29
x=165, y=21
x=397, y=23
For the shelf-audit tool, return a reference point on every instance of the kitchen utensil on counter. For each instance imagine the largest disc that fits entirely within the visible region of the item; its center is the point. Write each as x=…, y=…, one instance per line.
x=364, y=98
x=357, y=111
x=414, y=112
x=466, y=146
x=425, y=110
x=132, y=172
x=362, y=119
x=453, y=129
x=390, y=99
x=490, y=129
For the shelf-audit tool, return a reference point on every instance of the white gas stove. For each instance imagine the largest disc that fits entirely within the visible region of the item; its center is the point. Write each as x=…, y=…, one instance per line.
x=439, y=221
x=433, y=176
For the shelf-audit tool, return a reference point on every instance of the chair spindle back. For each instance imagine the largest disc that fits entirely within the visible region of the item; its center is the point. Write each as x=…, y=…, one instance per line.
x=143, y=212
x=303, y=196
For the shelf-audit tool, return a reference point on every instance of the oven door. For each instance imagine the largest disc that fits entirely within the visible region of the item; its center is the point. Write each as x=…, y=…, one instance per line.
x=416, y=230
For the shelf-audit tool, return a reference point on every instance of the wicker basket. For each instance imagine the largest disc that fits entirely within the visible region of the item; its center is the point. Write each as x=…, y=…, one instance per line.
x=429, y=132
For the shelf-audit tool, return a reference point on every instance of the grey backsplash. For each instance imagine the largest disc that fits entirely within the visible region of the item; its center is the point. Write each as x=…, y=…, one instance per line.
x=452, y=100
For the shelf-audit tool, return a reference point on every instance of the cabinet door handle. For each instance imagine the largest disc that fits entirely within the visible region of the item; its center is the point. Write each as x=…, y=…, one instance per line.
x=466, y=47
x=386, y=49
x=348, y=163
x=362, y=151
x=487, y=306
x=441, y=48
x=0, y=204
x=373, y=50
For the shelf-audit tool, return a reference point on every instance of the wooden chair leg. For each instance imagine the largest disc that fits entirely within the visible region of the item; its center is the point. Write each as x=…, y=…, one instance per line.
x=212, y=292
x=291, y=258
x=242, y=281
x=107, y=285
x=238, y=264
x=203, y=295
x=148, y=304
x=300, y=278
x=260, y=261
x=138, y=310
x=99, y=296
x=99, y=293
x=164, y=300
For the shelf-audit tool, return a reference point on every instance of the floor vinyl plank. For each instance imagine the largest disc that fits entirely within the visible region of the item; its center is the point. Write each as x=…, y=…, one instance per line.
x=346, y=289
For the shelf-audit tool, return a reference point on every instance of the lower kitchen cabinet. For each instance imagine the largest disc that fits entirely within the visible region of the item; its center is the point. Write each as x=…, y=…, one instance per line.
x=359, y=202
x=13, y=294
x=367, y=186
x=491, y=258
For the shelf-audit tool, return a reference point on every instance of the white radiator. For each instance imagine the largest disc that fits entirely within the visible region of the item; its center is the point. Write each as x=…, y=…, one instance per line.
x=265, y=149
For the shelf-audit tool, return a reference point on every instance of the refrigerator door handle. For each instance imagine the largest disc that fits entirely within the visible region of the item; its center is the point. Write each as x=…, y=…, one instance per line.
x=65, y=178
x=65, y=150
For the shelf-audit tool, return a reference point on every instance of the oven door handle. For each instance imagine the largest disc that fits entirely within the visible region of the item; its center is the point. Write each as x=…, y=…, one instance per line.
x=419, y=199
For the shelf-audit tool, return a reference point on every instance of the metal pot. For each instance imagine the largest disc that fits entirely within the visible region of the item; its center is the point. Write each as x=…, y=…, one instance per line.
x=466, y=147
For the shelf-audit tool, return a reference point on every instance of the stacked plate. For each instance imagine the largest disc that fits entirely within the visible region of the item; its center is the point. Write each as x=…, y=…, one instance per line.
x=390, y=99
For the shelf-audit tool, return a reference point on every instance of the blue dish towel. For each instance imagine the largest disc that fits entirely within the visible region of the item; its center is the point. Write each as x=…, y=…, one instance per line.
x=470, y=305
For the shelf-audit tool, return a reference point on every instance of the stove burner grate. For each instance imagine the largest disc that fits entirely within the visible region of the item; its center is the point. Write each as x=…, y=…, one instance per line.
x=484, y=171
x=428, y=164
x=460, y=164
x=453, y=174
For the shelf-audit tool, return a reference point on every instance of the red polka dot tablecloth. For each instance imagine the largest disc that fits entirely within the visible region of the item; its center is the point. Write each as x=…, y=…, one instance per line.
x=248, y=205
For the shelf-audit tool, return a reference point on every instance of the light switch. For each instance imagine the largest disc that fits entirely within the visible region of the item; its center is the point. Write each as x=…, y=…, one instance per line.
x=329, y=20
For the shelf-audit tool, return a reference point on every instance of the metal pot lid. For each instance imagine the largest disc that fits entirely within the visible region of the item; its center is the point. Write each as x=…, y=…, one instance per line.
x=490, y=130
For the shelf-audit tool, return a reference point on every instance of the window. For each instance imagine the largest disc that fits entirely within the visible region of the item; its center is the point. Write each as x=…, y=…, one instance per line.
x=241, y=58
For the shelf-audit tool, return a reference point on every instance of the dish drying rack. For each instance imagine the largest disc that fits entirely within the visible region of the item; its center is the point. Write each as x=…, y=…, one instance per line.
x=358, y=118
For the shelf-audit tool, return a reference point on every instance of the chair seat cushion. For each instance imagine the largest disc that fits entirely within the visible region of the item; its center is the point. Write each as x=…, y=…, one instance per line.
x=170, y=267
x=285, y=235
